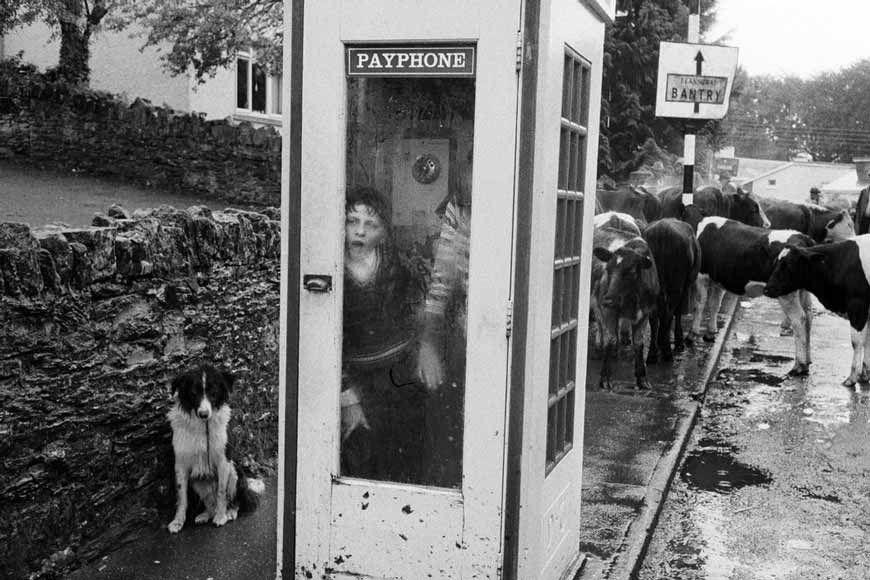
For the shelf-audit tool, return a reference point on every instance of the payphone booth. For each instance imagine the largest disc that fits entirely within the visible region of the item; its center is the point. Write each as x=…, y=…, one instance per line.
x=442, y=163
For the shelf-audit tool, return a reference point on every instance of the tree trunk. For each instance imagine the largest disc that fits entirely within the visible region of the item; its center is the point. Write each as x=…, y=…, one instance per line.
x=73, y=65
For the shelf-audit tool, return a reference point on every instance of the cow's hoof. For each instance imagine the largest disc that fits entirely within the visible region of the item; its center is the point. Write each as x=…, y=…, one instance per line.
x=175, y=526
x=850, y=382
x=799, y=370
x=709, y=337
x=605, y=385
x=786, y=332
x=642, y=384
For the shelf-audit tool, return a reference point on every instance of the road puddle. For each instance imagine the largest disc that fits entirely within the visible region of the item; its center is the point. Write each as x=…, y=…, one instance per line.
x=718, y=471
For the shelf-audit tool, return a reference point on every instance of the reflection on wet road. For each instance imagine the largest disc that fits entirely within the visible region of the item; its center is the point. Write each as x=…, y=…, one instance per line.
x=776, y=480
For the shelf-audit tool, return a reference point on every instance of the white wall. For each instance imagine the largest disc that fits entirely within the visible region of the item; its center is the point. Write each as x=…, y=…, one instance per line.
x=794, y=182
x=118, y=66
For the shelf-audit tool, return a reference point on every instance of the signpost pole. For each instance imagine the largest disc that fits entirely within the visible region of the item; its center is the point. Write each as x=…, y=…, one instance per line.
x=689, y=136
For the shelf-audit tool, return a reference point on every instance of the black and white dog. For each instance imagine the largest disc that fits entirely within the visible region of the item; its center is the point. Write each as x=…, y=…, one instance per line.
x=199, y=420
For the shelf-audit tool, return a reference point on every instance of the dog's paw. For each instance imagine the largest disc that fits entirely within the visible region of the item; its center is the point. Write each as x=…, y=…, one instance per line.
x=202, y=518
x=175, y=526
x=221, y=519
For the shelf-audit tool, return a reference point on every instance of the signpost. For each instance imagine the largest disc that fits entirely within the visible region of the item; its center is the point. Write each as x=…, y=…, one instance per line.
x=694, y=82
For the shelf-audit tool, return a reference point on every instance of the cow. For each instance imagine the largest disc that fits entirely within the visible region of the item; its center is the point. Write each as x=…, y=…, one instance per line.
x=635, y=201
x=733, y=257
x=825, y=218
x=838, y=274
x=677, y=256
x=711, y=201
x=807, y=218
x=616, y=220
x=624, y=292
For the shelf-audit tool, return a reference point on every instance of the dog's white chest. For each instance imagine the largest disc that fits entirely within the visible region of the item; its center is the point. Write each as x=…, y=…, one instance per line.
x=198, y=444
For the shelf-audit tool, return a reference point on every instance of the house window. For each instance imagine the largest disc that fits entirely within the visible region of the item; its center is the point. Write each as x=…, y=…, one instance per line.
x=771, y=182
x=564, y=321
x=257, y=92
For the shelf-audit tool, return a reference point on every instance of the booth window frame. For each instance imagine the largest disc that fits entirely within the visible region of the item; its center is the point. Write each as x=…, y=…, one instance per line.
x=564, y=324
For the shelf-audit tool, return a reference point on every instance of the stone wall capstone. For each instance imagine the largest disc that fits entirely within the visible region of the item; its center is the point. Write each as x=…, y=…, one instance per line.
x=94, y=324
x=50, y=124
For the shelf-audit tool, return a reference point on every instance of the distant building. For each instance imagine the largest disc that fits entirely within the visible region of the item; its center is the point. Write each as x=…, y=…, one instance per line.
x=847, y=187
x=243, y=92
x=790, y=180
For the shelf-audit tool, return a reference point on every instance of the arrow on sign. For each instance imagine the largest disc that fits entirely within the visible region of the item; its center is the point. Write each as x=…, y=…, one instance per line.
x=699, y=59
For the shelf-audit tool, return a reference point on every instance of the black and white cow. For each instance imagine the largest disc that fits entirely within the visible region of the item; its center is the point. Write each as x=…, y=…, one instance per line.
x=624, y=291
x=635, y=201
x=711, y=201
x=678, y=261
x=839, y=276
x=814, y=220
x=733, y=257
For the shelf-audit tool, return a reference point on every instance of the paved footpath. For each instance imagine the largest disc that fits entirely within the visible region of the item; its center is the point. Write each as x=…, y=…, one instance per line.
x=632, y=444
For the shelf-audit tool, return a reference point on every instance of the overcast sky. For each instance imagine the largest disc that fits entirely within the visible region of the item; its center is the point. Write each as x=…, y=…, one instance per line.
x=795, y=37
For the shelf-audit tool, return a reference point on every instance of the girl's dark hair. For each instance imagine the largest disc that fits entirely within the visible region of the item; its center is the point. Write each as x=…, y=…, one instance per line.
x=372, y=198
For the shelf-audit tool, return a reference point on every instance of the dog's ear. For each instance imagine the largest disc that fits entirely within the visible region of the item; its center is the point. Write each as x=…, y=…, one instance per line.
x=178, y=382
x=229, y=379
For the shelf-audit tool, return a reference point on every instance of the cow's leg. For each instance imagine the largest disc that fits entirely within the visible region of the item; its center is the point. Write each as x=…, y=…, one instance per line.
x=806, y=300
x=640, y=379
x=608, y=321
x=858, y=341
x=865, y=362
x=655, y=331
x=714, y=301
x=701, y=286
x=792, y=307
x=677, y=320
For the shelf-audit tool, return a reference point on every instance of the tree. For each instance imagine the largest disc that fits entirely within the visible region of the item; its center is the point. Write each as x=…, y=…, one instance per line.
x=74, y=21
x=206, y=36
x=631, y=50
x=776, y=118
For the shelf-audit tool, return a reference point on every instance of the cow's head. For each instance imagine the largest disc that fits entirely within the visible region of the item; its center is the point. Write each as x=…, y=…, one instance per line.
x=840, y=228
x=793, y=268
x=624, y=284
x=746, y=208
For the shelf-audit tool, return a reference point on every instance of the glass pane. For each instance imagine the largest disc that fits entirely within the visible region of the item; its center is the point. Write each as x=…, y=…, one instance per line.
x=408, y=210
x=242, y=83
x=258, y=88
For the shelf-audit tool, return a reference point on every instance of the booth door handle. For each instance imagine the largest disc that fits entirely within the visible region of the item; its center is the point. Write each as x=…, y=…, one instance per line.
x=317, y=282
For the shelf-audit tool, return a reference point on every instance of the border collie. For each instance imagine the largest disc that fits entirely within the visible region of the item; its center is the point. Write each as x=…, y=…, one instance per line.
x=199, y=420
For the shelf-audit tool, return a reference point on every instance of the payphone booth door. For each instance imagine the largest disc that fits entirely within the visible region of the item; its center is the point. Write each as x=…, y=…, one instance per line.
x=407, y=213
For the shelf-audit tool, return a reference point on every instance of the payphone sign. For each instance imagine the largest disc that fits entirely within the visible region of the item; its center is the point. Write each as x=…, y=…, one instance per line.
x=410, y=61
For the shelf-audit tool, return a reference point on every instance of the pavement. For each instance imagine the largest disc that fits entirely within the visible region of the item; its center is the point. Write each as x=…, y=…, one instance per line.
x=632, y=446
x=244, y=549
x=633, y=443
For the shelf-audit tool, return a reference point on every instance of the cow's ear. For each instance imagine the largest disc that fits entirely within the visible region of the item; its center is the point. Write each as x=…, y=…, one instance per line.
x=602, y=254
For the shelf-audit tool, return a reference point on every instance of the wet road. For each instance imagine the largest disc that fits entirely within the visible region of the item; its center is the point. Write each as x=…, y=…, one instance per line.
x=776, y=480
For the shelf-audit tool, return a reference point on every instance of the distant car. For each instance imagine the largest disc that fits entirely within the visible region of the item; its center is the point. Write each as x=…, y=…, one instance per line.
x=802, y=156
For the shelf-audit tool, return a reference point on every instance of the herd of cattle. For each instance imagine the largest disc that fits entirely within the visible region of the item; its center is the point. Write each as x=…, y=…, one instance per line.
x=657, y=258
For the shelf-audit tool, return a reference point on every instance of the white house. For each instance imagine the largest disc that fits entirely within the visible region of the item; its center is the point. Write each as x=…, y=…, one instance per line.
x=243, y=92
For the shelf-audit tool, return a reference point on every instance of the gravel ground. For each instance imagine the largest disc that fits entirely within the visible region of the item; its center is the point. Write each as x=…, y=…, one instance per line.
x=39, y=197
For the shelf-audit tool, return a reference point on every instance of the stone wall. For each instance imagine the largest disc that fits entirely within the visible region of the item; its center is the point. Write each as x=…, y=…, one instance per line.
x=50, y=124
x=94, y=323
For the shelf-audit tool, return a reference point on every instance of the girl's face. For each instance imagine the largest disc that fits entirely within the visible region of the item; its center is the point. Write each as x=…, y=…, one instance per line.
x=364, y=229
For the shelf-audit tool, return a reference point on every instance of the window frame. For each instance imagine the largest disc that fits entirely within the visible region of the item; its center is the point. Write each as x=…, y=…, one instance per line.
x=565, y=317
x=273, y=103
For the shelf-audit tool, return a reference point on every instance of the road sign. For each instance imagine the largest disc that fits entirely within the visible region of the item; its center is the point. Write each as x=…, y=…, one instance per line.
x=694, y=80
